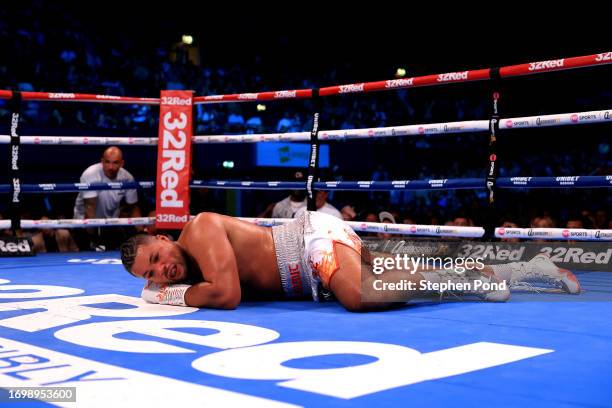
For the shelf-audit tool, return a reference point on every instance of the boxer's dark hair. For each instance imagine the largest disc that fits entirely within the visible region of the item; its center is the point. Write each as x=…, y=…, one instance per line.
x=129, y=249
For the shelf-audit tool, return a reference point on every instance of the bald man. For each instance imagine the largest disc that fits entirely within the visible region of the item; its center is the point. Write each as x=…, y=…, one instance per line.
x=106, y=203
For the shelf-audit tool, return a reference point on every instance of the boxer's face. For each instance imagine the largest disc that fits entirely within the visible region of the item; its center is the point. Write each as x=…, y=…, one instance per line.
x=160, y=261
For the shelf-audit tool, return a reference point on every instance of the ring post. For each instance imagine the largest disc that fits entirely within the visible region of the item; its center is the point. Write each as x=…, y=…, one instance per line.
x=493, y=165
x=14, y=170
x=174, y=159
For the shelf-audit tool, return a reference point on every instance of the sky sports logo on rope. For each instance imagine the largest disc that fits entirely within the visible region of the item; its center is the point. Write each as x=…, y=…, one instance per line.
x=517, y=123
x=583, y=117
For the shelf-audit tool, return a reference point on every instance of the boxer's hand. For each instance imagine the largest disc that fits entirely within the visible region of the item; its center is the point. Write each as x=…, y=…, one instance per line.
x=165, y=294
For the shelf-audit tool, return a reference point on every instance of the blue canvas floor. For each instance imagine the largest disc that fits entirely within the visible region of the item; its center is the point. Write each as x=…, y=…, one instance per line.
x=536, y=350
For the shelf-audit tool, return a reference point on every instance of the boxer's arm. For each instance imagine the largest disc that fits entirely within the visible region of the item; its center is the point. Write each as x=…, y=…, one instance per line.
x=205, y=238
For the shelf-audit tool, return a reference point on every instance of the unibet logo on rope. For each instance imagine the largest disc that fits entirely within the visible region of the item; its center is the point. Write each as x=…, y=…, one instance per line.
x=174, y=159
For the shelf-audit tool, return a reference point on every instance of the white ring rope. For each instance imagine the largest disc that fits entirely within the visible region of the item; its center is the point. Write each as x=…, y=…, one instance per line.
x=561, y=119
x=578, y=234
x=405, y=229
x=575, y=234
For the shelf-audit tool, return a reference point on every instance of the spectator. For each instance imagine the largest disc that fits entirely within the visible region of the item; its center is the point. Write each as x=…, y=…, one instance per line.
x=324, y=206
x=254, y=125
x=284, y=124
x=408, y=220
x=509, y=224
x=53, y=240
x=578, y=221
x=386, y=218
x=288, y=207
x=348, y=213
x=542, y=222
x=235, y=121
x=463, y=222
x=588, y=218
x=369, y=216
x=601, y=219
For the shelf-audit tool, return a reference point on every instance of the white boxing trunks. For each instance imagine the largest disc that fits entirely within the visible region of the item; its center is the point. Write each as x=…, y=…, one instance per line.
x=306, y=251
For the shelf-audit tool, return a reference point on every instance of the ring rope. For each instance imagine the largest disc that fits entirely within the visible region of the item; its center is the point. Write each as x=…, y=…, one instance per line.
x=76, y=187
x=453, y=77
x=428, y=184
x=473, y=75
x=559, y=119
x=578, y=234
x=420, y=81
x=428, y=230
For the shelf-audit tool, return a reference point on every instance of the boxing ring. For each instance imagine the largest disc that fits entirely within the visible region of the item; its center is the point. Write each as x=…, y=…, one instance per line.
x=76, y=320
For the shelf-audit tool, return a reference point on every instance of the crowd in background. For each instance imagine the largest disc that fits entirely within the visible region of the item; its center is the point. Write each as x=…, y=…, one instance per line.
x=48, y=49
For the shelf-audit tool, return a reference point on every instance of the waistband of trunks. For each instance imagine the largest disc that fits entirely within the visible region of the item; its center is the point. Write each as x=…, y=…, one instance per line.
x=289, y=246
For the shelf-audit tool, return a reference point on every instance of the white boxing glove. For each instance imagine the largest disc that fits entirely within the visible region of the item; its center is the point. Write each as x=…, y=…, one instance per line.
x=165, y=294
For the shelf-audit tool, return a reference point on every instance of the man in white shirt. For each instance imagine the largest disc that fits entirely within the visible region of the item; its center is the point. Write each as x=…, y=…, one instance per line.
x=324, y=206
x=106, y=203
x=295, y=203
x=289, y=206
